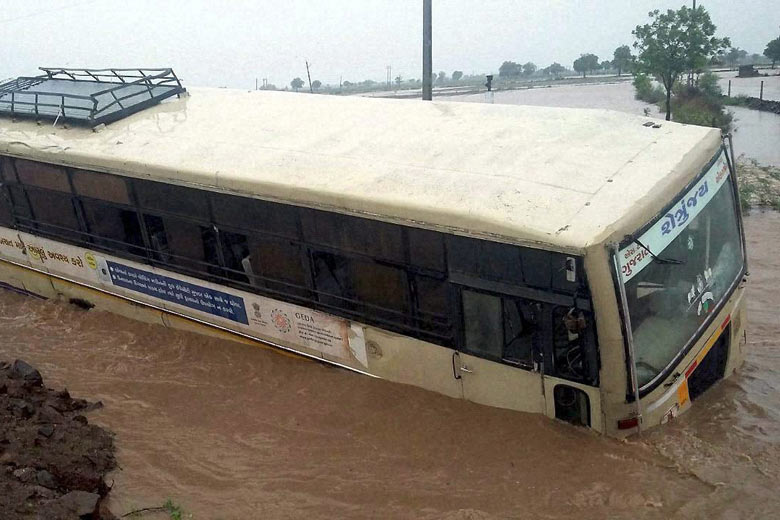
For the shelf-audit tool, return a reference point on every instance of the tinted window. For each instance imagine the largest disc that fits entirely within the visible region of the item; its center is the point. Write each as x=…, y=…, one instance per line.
x=483, y=325
x=113, y=228
x=19, y=199
x=255, y=215
x=536, y=268
x=356, y=235
x=380, y=285
x=172, y=199
x=235, y=251
x=501, y=328
x=432, y=307
x=490, y=260
x=42, y=175
x=100, y=186
x=6, y=209
x=6, y=169
x=182, y=243
x=339, y=279
x=426, y=249
x=55, y=211
x=431, y=295
x=279, y=260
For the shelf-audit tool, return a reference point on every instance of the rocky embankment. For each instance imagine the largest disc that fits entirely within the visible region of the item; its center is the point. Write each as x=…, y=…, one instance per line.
x=764, y=105
x=53, y=463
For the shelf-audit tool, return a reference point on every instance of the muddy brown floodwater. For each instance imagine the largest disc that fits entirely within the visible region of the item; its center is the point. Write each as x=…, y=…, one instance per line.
x=232, y=431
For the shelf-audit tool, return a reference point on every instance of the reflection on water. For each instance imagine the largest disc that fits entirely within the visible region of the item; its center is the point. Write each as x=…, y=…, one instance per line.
x=756, y=134
x=232, y=431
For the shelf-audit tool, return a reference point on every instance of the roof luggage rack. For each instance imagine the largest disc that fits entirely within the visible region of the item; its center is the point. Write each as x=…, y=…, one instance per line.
x=87, y=96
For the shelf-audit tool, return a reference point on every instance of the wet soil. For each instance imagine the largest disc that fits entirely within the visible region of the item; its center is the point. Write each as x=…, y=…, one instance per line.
x=52, y=461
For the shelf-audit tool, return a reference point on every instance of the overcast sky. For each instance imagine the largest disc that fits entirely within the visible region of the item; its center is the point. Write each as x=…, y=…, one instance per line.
x=230, y=43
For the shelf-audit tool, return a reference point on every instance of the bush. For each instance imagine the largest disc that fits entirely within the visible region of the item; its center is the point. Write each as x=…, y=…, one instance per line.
x=698, y=110
x=697, y=106
x=708, y=84
x=646, y=91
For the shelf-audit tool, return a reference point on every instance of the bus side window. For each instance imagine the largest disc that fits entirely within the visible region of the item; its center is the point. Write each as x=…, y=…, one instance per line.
x=169, y=198
x=6, y=202
x=352, y=284
x=426, y=249
x=182, y=243
x=110, y=226
x=113, y=228
x=54, y=213
x=487, y=260
x=255, y=215
x=352, y=234
x=279, y=262
x=42, y=175
x=501, y=328
x=110, y=188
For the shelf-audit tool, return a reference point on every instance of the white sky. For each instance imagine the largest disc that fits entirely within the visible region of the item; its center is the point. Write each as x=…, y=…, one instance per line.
x=230, y=43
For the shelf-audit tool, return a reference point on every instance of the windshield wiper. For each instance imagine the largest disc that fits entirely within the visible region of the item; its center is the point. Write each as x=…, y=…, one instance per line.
x=658, y=259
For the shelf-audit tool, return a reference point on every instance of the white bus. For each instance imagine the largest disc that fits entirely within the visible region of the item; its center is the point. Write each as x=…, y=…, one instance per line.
x=583, y=264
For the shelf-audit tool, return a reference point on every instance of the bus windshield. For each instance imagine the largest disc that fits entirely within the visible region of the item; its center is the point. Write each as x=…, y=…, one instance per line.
x=679, y=270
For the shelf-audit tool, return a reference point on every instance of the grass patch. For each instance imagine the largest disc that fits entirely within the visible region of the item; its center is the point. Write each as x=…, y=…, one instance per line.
x=759, y=186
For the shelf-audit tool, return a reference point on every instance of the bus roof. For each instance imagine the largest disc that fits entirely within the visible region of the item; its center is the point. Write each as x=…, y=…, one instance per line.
x=547, y=177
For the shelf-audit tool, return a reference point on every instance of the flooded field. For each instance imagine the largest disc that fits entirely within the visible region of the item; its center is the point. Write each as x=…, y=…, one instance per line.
x=756, y=134
x=231, y=431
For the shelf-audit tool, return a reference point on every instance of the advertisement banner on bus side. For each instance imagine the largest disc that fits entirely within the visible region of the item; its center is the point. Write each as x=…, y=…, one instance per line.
x=633, y=258
x=250, y=313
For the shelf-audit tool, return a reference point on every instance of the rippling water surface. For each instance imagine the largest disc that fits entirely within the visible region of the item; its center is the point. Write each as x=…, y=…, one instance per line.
x=234, y=431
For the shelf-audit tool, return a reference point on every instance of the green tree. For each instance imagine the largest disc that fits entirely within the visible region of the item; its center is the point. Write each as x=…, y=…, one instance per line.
x=675, y=42
x=772, y=51
x=398, y=81
x=456, y=75
x=555, y=69
x=622, y=58
x=316, y=84
x=529, y=68
x=442, y=77
x=296, y=84
x=510, y=69
x=586, y=63
x=734, y=56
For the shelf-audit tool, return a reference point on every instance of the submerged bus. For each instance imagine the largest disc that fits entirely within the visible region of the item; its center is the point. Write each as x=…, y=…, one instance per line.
x=583, y=264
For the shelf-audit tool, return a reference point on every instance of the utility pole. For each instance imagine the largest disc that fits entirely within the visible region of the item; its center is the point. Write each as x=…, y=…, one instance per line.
x=311, y=90
x=427, y=72
x=389, y=76
x=693, y=19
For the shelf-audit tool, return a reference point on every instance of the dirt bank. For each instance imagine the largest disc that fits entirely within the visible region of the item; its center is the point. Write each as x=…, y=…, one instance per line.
x=759, y=186
x=52, y=461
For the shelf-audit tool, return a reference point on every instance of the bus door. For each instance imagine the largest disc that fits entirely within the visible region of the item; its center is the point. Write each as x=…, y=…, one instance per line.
x=499, y=362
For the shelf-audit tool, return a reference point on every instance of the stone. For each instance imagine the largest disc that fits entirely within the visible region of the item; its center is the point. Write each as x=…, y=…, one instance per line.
x=21, y=407
x=24, y=371
x=79, y=503
x=80, y=419
x=46, y=479
x=47, y=430
x=25, y=475
x=42, y=492
x=47, y=414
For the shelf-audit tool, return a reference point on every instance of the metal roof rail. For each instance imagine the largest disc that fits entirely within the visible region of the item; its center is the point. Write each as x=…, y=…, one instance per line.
x=87, y=96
